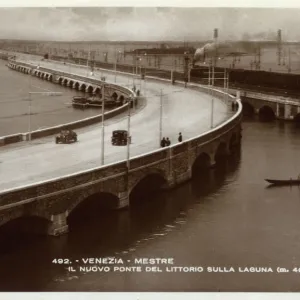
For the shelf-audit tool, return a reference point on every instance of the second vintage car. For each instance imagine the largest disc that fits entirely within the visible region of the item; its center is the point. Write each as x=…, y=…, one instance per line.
x=66, y=137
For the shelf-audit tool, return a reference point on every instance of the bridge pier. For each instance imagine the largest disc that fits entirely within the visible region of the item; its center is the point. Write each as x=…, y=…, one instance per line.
x=287, y=111
x=212, y=163
x=183, y=177
x=277, y=110
x=169, y=184
x=58, y=225
x=123, y=200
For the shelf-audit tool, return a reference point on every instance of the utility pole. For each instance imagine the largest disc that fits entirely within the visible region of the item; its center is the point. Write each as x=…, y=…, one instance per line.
x=29, y=121
x=216, y=34
x=87, y=61
x=279, y=47
x=289, y=68
x=259, y=58
x=115, y=65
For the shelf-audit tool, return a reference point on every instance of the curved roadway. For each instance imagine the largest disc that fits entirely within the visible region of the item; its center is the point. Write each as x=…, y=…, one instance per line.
x=184, y=110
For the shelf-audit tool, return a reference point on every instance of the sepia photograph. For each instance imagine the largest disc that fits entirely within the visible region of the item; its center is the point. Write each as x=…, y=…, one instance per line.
x=149, y=149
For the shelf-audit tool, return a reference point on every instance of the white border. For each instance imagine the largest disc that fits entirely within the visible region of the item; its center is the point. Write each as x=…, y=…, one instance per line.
x=149, y=3
x=152, y=3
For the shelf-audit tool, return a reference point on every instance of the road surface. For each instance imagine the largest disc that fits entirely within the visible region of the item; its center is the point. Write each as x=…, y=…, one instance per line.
x=184, y=110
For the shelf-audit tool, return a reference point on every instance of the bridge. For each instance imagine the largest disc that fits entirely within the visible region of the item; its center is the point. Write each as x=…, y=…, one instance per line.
x=254, y=102
x=283, y=108
x=68, y=175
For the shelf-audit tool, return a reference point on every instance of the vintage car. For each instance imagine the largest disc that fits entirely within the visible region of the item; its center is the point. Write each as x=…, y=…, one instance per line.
x=119, y=137
x=66, y=137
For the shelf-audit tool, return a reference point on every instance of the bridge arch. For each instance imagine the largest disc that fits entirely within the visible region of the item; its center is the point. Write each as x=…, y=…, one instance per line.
x=121, y=99
x=89, y=89
x=60, y=80
x=71, y=83
x=82, y=87
x=65, y=81
x=50, y=77
x=248, y=109
x=201, y=163
x=221, y=152
x=91, y=203
x=114, y=96
x=146, y=184
x=18, y=216
x=297, y=118
x=20, y=230
x=97, y=90
x=76, y=85
x=266, y=113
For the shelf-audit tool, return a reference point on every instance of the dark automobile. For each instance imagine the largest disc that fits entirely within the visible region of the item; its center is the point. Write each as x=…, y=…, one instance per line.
x=66, y=137
x=119, y=137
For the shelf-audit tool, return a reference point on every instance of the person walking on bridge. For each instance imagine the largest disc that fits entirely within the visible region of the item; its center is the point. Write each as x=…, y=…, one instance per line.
x=168, y=142
x=180, y=137
x=163, y=142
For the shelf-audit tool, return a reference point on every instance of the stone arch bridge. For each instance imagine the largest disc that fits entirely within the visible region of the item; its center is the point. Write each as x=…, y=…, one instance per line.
x=54, y=200
x=276, y=107
x=80, y=83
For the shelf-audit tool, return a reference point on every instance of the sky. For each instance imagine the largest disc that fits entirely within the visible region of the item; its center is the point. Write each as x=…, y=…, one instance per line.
x=147, y=24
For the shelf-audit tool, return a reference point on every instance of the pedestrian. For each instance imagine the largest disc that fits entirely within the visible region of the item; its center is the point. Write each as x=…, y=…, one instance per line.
x=163, y=142
x=168, y=142
x=180, y=137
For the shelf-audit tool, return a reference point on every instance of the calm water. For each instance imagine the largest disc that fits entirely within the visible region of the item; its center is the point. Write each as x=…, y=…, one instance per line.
x=46, y=111
x=228, y=218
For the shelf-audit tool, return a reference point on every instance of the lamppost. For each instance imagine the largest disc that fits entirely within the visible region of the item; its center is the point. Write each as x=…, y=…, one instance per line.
x=102, y=123
x=116, y=60
x=128, y=133
x=160, y=118
x=161, y=113
x=211, y=79
x=87, y=61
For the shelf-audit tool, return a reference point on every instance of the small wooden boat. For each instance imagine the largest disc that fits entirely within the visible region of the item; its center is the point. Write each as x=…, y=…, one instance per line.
x=284, y=182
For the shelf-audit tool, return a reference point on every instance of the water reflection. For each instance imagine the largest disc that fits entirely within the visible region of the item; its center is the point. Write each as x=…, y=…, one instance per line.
x=108, y=233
